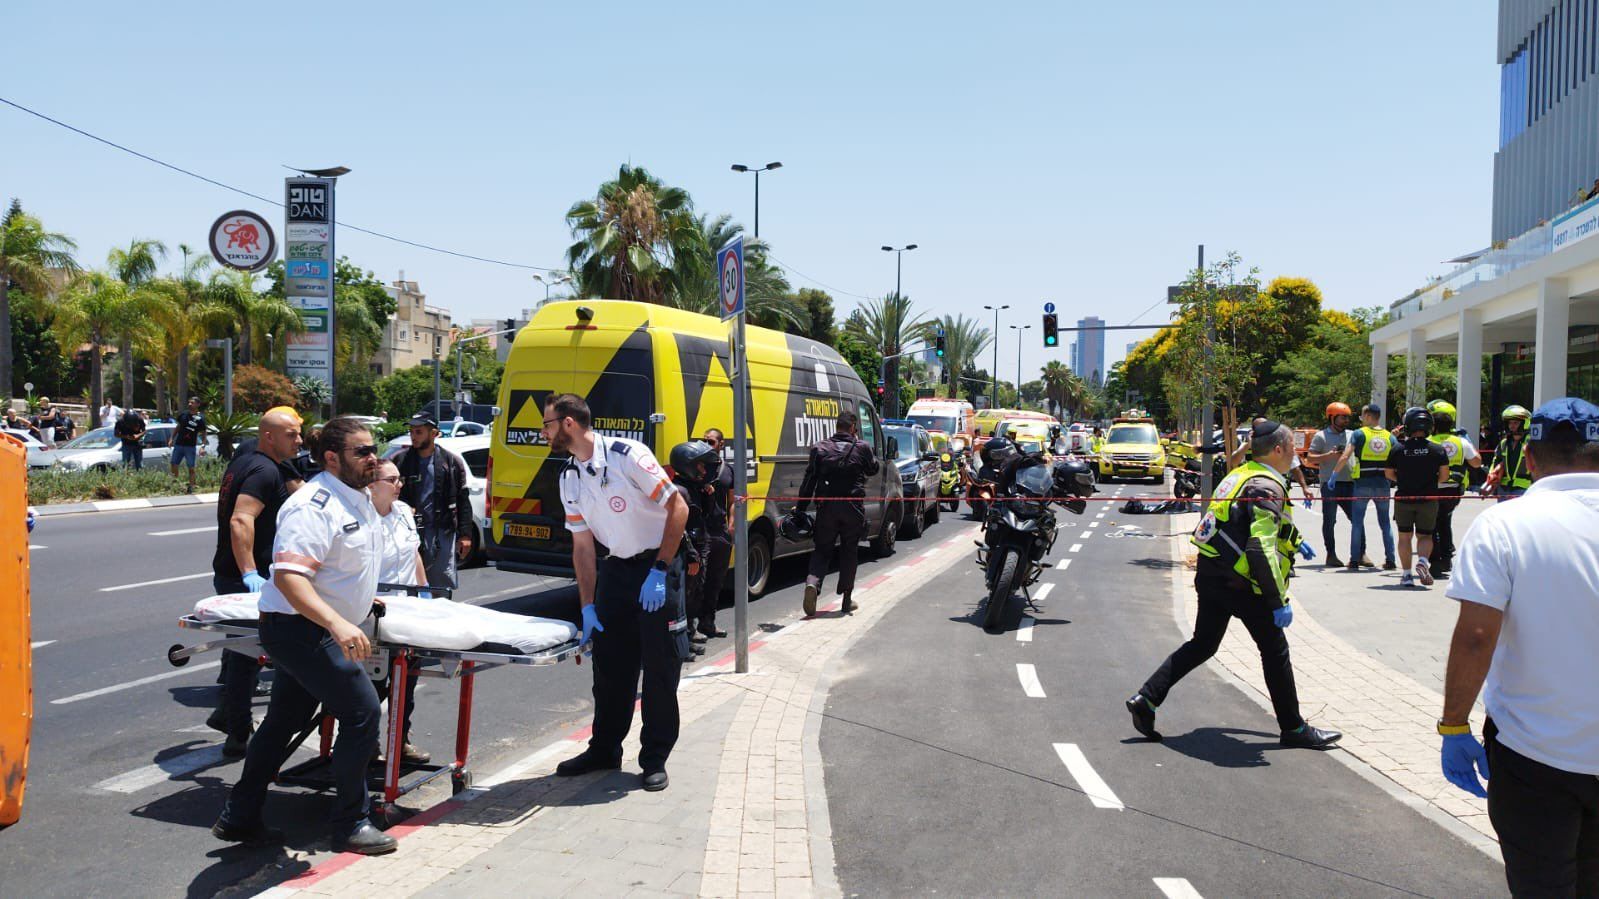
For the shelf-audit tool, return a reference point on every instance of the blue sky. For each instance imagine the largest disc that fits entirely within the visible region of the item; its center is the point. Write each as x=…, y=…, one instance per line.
x=1068, y=152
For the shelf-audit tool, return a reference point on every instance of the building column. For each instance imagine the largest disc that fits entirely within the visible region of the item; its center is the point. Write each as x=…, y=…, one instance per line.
x=1416, y=368
x=1468, y=373
x=1552, y=337
x=1379, y=375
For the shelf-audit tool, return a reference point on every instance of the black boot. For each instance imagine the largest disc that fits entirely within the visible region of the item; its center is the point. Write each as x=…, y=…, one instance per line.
x=585, y=762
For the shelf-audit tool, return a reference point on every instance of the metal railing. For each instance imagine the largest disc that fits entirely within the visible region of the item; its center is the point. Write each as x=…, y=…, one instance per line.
x=1518, y=252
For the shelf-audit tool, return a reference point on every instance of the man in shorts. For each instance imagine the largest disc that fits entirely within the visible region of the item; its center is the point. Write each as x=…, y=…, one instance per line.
x=1420, y=466
x=185, y=439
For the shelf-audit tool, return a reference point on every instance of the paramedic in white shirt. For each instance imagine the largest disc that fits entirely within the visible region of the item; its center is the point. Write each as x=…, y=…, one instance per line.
x=1527, y=578
x=617, y=495
x=402, y=564
x=325, y=563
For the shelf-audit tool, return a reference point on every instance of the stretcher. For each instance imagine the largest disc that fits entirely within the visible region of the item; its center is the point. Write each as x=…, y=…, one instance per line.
x=394, y=661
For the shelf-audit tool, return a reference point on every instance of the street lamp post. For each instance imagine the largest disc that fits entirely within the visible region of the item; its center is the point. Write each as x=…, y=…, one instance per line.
x=993, y=397
x=553, y=281
x=1019, y=329
x=891, y=354
x=770, y=166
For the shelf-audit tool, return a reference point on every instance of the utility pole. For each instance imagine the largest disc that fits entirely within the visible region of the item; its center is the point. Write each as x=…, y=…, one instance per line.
x=993, y=394
x=1207, y=417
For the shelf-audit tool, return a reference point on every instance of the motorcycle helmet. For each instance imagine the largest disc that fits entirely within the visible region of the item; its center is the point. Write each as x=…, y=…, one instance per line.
x=1076, y=480
x=1334, y=409
x=1516, y=413
x=1440, y=408
x=695, y=461
x=999, y=451
x=1417, y=421
x=796, y=525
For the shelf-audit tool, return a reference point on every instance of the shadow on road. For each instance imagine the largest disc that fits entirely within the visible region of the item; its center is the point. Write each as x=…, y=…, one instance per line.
x=1222, y=746
x=1156, y=564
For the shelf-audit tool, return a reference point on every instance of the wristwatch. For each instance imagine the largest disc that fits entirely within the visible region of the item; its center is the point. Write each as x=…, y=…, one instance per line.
x=660, y=566
x=1452, y=730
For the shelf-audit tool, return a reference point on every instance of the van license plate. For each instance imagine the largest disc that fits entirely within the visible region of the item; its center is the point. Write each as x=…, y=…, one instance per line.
x=532, y=531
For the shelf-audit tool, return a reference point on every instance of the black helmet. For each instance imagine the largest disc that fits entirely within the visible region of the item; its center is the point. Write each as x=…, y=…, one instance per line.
x=1417, y=420
x=998, y=451
x=695, y=461
x=796, y=525
x=1074, y=479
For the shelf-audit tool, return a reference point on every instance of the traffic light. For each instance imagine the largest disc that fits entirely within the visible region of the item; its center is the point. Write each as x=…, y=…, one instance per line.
x=1051, y=330
x=510, y=325
x=938, y=345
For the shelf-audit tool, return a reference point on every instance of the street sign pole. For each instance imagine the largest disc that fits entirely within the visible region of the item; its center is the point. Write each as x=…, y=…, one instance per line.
x=1207, y=416
x=730, y=277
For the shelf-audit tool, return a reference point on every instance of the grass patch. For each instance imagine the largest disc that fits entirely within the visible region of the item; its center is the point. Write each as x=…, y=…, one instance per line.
x=51, y=486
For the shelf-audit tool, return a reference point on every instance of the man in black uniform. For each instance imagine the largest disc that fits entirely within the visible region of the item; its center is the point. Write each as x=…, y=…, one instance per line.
x=838, y=467
x=695, y=466
x=719, y=533
x=253, y=490
x=186, y=438
x=616, y=495
x=435, y=485
x=130, y=430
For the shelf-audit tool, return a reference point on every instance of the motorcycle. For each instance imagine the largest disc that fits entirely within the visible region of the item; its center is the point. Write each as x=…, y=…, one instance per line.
x=949, y=481
x=1019, y=529
x=980, y=492
x=1186, y=480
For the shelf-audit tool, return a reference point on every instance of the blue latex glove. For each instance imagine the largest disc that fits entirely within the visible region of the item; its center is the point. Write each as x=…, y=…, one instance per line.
x=254, y=582
x=30, y=521
x=424, y=594
x=591, y=623
x=1305, y=549
x=1461, y=753
x=1282, y=616
x=1332, y=480
x=653, y=594
x=1307, y=501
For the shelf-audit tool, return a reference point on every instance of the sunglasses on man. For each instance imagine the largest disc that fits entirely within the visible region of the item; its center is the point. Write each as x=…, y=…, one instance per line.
x=364, y=451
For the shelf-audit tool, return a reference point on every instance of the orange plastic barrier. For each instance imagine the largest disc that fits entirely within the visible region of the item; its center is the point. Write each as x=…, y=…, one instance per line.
x=16, y=653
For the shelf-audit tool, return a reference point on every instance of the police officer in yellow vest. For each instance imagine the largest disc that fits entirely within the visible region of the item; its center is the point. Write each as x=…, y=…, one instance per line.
x=1246, y=543
x=1462, y=456
x=1368, y=462
x=1510, y=476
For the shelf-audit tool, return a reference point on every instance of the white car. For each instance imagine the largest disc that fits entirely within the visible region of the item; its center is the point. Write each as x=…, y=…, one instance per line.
x=474, y=450
x=448, y=430
x=33, y=444
x=101, y=450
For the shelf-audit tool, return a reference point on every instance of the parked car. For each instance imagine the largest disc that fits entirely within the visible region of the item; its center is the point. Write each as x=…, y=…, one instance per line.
x=100, y=450
x=918, y=474
x=33, y=443
x=474, y=450
x=448, y=430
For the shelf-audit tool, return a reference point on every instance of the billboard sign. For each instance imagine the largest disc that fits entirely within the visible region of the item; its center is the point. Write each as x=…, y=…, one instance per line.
x=308, y=275
x=243, y=240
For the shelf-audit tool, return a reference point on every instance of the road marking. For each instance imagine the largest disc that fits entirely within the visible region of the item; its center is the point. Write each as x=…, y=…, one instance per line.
x=39, y=643
x=1087, y=778
x=211, y=528
x=1030, y=684
x=165, y=580
x=1087, y=534
x=170, y=769
x=128, y=685
x=1093, y=524
x=1075, y=547
x=930, y=553
x=1177, y=888
x=32, y=546
x=1064, y=564
x=1100, y=515
x=1024, y=632
x=1043, y=591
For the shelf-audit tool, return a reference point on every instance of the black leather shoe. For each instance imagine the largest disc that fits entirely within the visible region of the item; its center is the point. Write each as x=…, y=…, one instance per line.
x=654, y=781
x=257, y=835
x=849, y=606
x=697, y=648
x=1389, y=565
x=697, y=637
x=584, y=763
x=1333, y=562
x=1309, y=737
x=718, y=633
x=217, y=721
x=235, y=747
x=366, y=840
x=1143, y=716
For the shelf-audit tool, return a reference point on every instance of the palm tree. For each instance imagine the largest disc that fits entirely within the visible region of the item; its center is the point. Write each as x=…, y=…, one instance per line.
x=254, y=313
x=92, y=309
x=134, y=267
x=182, y=319
x=964, y=340
x=889, y=323
x=192, y=293
x=1057, y=385
x=629, y=236
x=28, y=256
x=695, y=285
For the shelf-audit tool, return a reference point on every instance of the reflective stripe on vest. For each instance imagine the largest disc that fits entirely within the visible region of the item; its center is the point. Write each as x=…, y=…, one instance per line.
x=1518, y=477
x=1455, y=449
x=1216, y=518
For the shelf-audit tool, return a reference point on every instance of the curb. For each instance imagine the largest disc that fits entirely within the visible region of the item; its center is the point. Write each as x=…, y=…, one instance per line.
x=123, y=505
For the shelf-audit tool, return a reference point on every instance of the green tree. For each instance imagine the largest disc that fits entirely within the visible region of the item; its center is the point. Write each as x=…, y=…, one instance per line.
x=964, y=340
x=135, y=267
x=181, y=320
x=889, y=323
x=28, y=256
x=191, y=298
x=93, y=307
x=694, y=285
x=403, y=393
x=818, y=305
x=628, y=237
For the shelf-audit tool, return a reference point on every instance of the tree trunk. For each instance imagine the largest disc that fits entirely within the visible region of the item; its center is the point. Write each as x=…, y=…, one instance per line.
x=246, y=344
x=183, y=374
x=5, y=338
x=162, y=405
x=125, y=350
x=96, y=379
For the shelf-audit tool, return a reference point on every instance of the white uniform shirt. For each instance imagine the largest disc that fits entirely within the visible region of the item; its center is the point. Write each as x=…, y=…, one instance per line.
x=330, y=533
x=1537, y=560
x=400, y=545
x=620, y=495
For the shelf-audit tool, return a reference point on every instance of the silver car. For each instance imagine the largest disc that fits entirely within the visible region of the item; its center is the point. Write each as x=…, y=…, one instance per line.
x=101, y=450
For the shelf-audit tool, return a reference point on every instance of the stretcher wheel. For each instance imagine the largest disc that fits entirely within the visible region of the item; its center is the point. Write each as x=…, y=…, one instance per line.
x=173, y=657
x=460, y=782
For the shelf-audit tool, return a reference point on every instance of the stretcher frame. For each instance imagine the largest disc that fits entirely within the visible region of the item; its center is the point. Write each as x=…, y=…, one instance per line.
x=396, y=778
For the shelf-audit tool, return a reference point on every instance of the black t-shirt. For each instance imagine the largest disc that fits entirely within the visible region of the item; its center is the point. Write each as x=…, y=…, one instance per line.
x=130, y=427
x=1416, y=464
x=190, y=426
x=251, y=474
x=720, y=497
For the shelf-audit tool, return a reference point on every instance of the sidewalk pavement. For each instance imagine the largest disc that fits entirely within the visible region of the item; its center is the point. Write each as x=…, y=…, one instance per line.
x=745, y=815
x=1368, y=660
x=119, y=505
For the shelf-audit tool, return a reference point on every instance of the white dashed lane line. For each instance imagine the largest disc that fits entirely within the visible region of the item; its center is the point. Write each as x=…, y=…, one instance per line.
x=1075, y=547
x=1043, y=591
x=1087, y=778
x=1086, y=534
x=1064, y=564
x=128, y=685
x=165, y=580
x=39, y=643
x=1029, y=678
x=1176, y=888
x=1093, y=524
x=182, y=531
x=1024, y=632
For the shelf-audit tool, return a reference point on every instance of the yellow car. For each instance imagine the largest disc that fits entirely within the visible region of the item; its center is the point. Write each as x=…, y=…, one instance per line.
x=1132, y=449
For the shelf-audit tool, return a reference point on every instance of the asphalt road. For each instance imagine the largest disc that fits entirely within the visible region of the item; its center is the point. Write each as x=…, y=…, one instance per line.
x=125, y=779
x=946, y=760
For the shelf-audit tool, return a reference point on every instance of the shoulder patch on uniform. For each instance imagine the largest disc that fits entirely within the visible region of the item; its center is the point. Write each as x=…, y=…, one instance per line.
x=620, y=448
x=320, y=498
x=352, y=527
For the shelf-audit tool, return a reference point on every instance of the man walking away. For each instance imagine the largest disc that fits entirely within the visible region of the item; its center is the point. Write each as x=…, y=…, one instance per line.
x=1246, y=543
x=838, y=467
x=185, y=439
x=719, y=531
x=1420, y=466
x=1463, y=457
x=1368, y=460
x=130, y=430
x=1527, y=581
x=436, y=487
x=1326, y=448
x=253, y=489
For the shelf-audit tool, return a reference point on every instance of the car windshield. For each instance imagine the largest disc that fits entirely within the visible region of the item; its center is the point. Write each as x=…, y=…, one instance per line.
x=945, y=423
x=1133, y=434
x=99, y=438
x=907, y=443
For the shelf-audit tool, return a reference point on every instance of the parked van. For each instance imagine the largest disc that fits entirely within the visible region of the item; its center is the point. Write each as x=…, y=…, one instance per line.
x=989, y=419
x=954, y=418
x=660, y=376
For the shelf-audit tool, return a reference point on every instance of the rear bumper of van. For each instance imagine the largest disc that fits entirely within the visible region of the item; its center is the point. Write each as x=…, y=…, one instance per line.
x=530, y=561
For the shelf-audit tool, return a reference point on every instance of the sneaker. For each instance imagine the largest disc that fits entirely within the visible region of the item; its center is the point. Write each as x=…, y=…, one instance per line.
x=1405, y=580
x=1365, y=562
x=810, y=600
x=1424, y=572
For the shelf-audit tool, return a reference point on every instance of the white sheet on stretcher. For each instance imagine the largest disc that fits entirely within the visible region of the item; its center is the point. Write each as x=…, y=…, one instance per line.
x=425, y=623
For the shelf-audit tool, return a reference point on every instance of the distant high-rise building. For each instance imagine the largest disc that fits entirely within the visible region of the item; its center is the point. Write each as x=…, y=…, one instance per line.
x=1088, y=350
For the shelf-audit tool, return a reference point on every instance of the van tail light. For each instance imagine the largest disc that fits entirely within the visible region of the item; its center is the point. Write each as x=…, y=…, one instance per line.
x=488, y=482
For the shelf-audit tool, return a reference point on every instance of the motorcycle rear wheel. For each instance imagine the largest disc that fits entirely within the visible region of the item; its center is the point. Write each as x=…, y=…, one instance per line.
x=1001, y=589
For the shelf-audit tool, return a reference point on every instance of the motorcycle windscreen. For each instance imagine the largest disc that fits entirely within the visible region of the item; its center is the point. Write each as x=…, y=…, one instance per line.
x=1035, y=480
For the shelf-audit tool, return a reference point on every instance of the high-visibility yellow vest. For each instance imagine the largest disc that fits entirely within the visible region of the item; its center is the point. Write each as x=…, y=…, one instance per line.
x=1222, y=534
x=1514, y=476
x=1455, y=448
x=1374, y=452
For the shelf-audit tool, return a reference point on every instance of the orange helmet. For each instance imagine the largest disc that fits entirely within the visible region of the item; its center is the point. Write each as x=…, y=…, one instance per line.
x=1339, y=409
